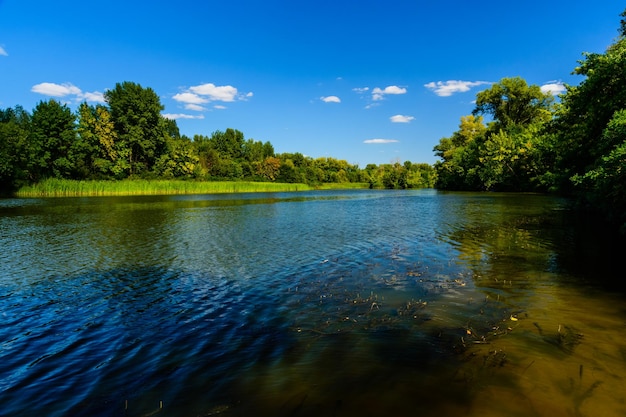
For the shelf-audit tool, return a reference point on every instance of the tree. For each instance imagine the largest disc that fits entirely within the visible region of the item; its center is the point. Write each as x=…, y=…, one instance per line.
x=230, y=144
x=140, y=128
x=14, y=130
x=502, y=155
x=180, y=160
x=460, y=154
x=97, y=131
x=513, y=102
x=589, y=131
x=51, y=137
x=269, y=168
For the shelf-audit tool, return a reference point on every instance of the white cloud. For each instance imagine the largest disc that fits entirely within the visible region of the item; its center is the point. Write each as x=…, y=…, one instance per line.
x=56, y=90
x=175, y=116
x=213, y=92
x=553, y=87
x=96, y=96
x=194, y=107
x=65, y=90
x=378, y=93
x=331, y=99
x=190, y=98
x=399, y=118
x=447, y=88
x=219, y=107
x=378, y=141
x=195, y=96
x=3, y=52
x=361, y=90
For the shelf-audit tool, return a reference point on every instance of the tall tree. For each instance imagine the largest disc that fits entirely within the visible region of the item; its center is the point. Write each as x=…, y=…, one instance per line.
x=230, y=144
x=97, y=131
x=14, y=130
x=140, y=128
x=513, y=102
x=590, y=146
x=52, y=135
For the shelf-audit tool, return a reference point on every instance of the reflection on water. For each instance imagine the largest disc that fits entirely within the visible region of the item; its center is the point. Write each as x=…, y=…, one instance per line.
x=349, y=303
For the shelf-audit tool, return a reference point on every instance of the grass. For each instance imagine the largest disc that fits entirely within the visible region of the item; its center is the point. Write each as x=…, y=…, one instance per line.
x=72, y=188
x=343, y=186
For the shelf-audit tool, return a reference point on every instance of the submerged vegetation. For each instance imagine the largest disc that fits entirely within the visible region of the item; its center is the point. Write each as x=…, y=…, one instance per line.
x=574, y=146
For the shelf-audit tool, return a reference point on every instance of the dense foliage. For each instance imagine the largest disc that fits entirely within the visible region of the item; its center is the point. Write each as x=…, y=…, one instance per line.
x=129, y=138
x=576, y=147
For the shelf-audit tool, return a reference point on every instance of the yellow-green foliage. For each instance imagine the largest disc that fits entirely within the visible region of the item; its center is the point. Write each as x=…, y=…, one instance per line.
x=68, y=188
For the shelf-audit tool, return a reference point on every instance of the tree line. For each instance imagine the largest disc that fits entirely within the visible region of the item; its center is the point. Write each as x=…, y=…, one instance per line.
x=575, y=146
x=129, y=138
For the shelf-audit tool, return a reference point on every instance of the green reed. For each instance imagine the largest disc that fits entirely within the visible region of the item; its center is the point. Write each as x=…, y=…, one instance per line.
x=71, y=188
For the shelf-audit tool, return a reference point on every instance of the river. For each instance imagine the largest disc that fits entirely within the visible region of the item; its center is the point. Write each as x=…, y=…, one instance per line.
x=345, y=303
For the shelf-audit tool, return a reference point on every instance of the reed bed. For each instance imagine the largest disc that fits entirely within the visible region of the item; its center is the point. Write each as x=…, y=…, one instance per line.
x=343, y=186
x=72, y=188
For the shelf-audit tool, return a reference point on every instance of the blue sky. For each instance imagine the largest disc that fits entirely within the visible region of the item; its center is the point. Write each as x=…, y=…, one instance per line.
x=365, y=81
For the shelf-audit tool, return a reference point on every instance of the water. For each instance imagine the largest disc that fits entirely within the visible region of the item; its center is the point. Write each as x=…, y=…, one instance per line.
x=347, y=303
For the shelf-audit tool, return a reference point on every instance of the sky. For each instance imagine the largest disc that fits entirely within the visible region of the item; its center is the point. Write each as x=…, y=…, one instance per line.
x=365, y=81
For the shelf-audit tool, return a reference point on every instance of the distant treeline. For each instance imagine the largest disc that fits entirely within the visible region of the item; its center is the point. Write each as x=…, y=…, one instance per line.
x=129, y=138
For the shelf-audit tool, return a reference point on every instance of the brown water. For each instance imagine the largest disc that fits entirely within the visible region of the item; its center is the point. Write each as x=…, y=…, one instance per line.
x=359, y=303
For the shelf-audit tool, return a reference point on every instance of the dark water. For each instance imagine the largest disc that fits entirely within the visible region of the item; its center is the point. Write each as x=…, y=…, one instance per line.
x=357, y=303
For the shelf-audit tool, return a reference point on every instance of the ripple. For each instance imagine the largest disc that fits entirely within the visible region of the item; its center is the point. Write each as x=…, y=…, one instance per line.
x=310, y=304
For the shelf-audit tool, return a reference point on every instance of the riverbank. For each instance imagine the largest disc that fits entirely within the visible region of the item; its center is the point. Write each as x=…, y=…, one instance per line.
x=72, y=188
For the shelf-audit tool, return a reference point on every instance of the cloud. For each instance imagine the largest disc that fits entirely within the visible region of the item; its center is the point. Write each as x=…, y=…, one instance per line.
x=195, y=96
x=194, y=107
x=213, y=92
x=190, y=98
x=219, y=107
x=378, y=93
x=96, y=96
x=174, y=116
x=331, y=99
x=3, y=52
x=361, y=90
x=447, y=88
x=56, y=90
x=398, y=118
x=65, y=90
x=380, y=141
x=553, y=87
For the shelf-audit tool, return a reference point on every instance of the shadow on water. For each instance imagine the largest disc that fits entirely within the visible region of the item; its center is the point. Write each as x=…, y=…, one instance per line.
x=126, y=341
x=119, y=342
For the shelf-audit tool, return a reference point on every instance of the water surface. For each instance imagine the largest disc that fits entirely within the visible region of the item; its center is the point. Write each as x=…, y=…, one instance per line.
x=347, y=303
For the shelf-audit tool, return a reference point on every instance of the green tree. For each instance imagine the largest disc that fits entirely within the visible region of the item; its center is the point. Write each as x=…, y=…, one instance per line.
x=590, y=137
x=230, y=144
x=52, y=135
x=503, y=155
x=139, y=126
x=97, y=132
x=512, y=102
x=180, y=161
x=14, y=131
x=460, y=163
